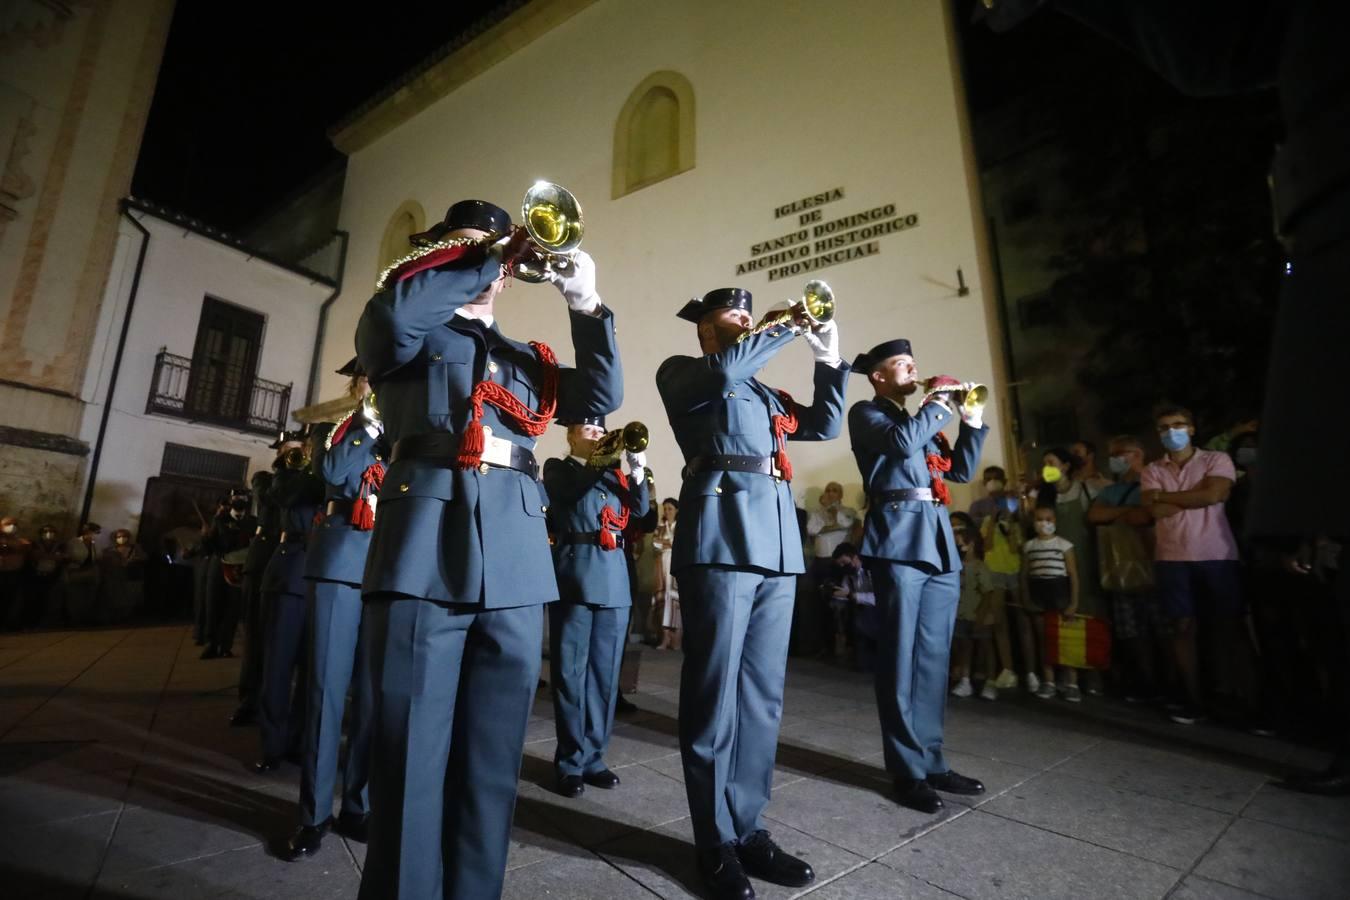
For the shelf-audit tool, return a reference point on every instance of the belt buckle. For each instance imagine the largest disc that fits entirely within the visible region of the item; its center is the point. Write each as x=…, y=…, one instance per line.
x=497, y=451
x=776, y=472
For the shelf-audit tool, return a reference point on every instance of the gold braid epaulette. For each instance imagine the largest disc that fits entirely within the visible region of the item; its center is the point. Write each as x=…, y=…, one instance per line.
x=328, y=441
x=393, y=268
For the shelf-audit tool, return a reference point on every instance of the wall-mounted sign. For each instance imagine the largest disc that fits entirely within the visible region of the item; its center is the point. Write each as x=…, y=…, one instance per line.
x=819, y=242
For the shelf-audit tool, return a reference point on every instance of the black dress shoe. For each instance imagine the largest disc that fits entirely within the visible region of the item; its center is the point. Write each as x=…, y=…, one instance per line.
x=244, y=715
x=570, y=785
x=352, y=826
x=306, y=840
x=723, y=875
x=763, y=858
x=209, y=653
x=295, y=757
x=622, y=707
x=226, y=654
x=1329, y=784
x=266, y=764
x=917, y=794
x=951, y=783
x=603, y=779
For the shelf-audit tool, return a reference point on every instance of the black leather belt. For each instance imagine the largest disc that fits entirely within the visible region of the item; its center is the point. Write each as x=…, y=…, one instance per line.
x=339, y=507
x=585, y=537
x=903, y=494
x=441, y=448
x=758, y=465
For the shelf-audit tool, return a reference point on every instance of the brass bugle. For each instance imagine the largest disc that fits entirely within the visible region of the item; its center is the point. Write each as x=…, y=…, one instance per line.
x=295, y=458
x=974, y=396
x=552, y=218
x=816, y=307
x=632, y=438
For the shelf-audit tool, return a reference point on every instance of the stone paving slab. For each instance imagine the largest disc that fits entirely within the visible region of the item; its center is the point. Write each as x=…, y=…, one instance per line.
x=1279, y=862
x=120, y=778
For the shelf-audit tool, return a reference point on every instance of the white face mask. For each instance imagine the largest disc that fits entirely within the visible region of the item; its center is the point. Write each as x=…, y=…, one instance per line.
x=121, y=540
x=993, y=486
x=1045, y=528
x=236, y=514
x=8, y=529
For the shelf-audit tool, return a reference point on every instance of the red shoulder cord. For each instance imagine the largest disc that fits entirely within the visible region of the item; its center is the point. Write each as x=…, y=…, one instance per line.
x=613, y=523
x=532, y=422
x=782, y=427
x=938, y=463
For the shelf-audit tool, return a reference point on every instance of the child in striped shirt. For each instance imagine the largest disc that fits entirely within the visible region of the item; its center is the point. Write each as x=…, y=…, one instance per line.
x=1050, y=581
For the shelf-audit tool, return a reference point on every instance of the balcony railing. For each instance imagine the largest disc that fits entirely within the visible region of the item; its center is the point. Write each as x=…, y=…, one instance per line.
x=217, y=395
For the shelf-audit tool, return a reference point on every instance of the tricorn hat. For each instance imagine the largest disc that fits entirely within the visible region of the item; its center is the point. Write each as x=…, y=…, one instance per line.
x=465, y=214
x=721, y=298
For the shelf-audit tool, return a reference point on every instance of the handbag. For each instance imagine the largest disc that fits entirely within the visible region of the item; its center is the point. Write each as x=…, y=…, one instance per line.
x=1123, y=559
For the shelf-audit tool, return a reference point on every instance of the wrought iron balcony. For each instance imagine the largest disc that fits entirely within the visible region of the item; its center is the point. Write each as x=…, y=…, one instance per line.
x=218, y=393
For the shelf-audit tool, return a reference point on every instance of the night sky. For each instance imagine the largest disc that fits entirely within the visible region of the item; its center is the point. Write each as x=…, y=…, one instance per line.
x=248, y=91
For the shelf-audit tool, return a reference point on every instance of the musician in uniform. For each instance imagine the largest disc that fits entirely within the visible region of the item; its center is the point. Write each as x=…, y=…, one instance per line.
x=589, y=509
x=298, y=493
x=227, y=545
x=260, y=549
x=352, y=469
x=459, y=562
x=911, y=555
x=737, y=552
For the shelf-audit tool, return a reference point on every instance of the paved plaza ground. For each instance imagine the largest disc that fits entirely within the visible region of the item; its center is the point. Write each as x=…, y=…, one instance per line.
x=119, y=778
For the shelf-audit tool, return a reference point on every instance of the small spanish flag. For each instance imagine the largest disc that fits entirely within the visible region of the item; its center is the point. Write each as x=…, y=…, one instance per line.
x=1083, y=642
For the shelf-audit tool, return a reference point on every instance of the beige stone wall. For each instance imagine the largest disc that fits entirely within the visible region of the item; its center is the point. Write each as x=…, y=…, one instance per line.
x=76, y=80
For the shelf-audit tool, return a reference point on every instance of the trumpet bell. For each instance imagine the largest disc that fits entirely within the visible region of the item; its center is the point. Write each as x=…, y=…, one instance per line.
x=632, y=438
x=976, y=396
x=818, y=302
x=552, y=217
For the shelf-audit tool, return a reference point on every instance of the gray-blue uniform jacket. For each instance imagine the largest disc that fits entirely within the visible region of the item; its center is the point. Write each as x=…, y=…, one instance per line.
x=717, y=407
x=430, y=539
x=576, y=494
x=891, y=446
x=337, y=548
x=298, y=494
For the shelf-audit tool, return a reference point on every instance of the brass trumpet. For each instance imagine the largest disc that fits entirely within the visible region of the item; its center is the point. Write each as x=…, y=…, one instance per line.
x=816, y=306
x=369, y=411
x=969, y=395
x=552, y=218
x=632, y=438
x=295, y=458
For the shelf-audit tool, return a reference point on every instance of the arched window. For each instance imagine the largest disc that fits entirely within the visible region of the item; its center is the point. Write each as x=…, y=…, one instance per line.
x=408, y=220
x=654, y=136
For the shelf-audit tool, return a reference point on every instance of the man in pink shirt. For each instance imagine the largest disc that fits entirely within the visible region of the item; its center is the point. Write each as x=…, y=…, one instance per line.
x=1196, y=570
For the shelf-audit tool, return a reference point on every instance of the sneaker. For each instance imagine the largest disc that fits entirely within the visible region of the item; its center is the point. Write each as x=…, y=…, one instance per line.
x=1187, y=715
x=1072, y=694
x=1005, y=680
x=1046, y=691
x=1033, y=683
x=989, y=691
x=963, y=688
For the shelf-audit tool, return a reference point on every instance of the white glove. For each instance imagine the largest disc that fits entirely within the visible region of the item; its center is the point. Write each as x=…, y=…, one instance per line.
x=824, y=343
x=576, y=282
x=973, y=418
x=637, y=464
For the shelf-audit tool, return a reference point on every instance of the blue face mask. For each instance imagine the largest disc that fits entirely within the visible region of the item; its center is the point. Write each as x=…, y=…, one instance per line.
x=1245, y=456
x=1174, y=439
x=1119, y=465
x=1007, y=504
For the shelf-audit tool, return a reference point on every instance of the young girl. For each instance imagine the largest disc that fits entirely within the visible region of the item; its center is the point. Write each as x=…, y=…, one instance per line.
x=1050, y=581
x=977, y=586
